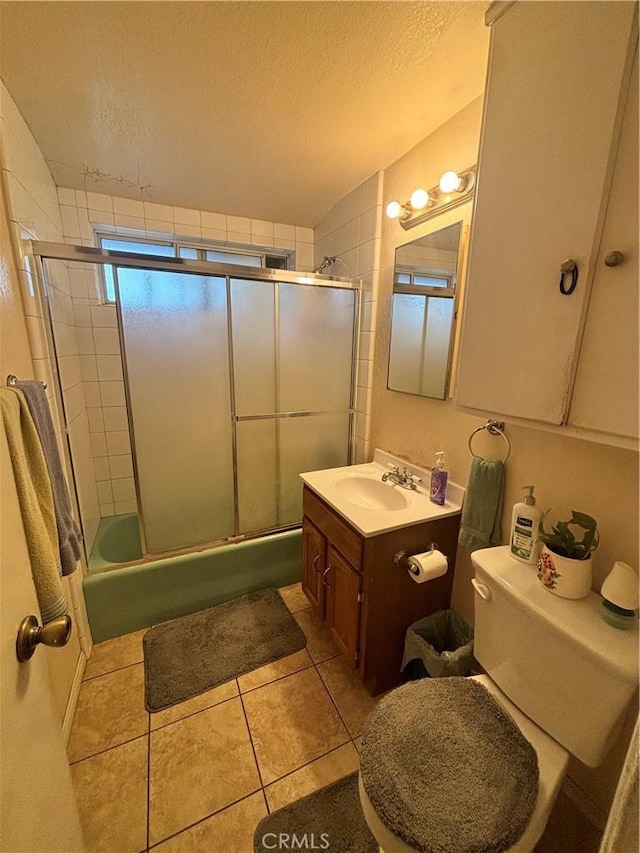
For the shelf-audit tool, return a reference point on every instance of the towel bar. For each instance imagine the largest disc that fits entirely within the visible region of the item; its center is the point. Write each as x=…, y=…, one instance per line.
x=13, y=380
x=494, y=428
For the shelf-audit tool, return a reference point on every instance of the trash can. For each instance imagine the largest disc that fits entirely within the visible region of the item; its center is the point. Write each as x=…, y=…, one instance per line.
x=438, y=645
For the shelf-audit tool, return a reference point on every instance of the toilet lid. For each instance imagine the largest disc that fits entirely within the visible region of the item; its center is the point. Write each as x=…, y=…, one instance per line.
x=447, y=769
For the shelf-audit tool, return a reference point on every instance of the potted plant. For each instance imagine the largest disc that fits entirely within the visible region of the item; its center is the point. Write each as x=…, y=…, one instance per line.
x=564, y=566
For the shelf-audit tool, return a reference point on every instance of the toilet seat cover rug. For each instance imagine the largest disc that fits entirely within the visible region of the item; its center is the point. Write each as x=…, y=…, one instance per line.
x=446, y=768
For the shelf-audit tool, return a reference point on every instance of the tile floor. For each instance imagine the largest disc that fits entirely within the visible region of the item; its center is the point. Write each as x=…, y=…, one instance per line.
x=199, y=776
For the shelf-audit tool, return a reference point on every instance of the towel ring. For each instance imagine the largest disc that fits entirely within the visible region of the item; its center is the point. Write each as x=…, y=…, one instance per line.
x=495, y=428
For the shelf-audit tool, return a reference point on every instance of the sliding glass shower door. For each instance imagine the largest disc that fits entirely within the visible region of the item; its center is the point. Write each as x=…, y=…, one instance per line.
x=234, y=386
x=175, y=342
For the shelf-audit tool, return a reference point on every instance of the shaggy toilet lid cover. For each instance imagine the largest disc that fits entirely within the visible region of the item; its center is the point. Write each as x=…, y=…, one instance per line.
x=446, y=768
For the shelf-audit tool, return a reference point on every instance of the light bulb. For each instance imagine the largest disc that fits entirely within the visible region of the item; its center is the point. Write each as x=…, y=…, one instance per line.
x=450, y=182
x=394, y=209
x=419, y=199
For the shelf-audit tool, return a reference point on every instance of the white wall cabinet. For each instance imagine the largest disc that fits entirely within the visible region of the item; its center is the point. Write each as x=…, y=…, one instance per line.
x=556, y=93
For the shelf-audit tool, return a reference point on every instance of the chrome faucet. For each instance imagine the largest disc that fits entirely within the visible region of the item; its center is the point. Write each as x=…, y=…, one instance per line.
x=401, y=477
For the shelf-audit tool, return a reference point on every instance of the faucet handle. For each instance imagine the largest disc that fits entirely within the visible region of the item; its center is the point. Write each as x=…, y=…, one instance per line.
x=412, y=479
x=394, y=468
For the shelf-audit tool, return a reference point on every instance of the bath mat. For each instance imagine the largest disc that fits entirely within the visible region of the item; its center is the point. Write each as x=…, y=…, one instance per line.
x=329, y=819
x=187, y=656
x=446, y=768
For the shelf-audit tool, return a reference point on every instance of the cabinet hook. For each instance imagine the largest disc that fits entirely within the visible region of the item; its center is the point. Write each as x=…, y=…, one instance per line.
x=568, y=266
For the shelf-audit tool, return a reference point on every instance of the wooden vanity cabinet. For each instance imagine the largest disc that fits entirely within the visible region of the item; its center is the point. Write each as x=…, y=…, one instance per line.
x=366, y=600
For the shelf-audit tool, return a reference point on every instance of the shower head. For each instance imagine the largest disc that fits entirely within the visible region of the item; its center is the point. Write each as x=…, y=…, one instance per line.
x=326, y=262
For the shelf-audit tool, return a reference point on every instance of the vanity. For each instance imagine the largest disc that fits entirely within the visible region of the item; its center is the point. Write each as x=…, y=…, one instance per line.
x=353, y=526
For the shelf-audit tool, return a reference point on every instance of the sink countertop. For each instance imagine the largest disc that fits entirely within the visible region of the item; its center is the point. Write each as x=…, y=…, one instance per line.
x=416, y=507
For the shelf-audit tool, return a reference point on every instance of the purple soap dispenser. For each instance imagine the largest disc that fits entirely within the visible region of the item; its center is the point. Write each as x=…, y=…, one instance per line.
x=439, y=480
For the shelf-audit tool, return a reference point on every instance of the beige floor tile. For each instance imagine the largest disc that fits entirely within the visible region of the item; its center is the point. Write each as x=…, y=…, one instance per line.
x=320, y=644
x=292, y=721
x=229, y=831
x=115, y=654
x=277, y=669
x=323, y=771
x=357, y=741
x=110, y=711
x=199, y=765
x=348, y=692
x=191, y=706
x=111, y=792
x=294, y=597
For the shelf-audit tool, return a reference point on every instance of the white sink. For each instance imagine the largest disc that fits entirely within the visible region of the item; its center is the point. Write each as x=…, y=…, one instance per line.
x=358, y=493
x=371, y=493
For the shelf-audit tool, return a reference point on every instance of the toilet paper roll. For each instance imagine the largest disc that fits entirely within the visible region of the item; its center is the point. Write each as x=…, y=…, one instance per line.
x=427, y=566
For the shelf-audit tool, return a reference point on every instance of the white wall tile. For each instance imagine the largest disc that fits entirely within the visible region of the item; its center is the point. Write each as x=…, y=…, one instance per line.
x=70, y=225
x=239, y=225
x=109, y=368
x=98, y=201
x=112, y=393
x=214, y=220
x=369, y=192
x=107, y=340
x=186, y=216
x=304, y=256
x=92, y=394
x=105, y=493
x=81, y=198
x=123, y=490
x=121, y=466
x=101, y=468
x=96, y=421
x=85, y=342
x=158, y=229
x=128, y=207
x=115, y=418
x=125, y=507
x=288, y=232
x=126, y=224
x=104, y=316
x=214, y=234
x=98, y=444
x=82, y=315
x=66, y=196
x=187, y=230
x=88, y=368
x=118, y=443
x=160, y=212
x=262, y=228
x=238, y=238
x=107, y=510
x=101, y=218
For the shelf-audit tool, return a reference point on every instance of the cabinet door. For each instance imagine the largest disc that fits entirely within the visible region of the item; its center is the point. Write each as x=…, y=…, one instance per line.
x=557, y=79
x=605, y=396
x=343, y=586
x=313, y=565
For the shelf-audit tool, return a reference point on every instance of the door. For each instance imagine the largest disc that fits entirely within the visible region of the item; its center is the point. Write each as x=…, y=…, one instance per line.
x=314, y=558
x=37, y=803
x=343, y=589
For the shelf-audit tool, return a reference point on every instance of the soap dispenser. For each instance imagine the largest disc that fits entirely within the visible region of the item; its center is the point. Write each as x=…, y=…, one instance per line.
x=525, y=528
x=439, y=476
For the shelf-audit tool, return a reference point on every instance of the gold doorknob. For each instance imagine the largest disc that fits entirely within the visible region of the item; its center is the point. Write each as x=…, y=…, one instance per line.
x=54, y=633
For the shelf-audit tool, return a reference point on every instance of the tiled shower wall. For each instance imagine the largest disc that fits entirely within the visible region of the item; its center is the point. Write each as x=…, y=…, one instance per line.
x=351, y=231
x=85, y=212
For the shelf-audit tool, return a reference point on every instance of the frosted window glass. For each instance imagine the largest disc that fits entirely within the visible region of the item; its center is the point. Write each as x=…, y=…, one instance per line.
x=257, y=475
x=254, y=357
x=308, y=444
x=406, y=355
x=175, y=342
x=438, y=326
x=315, y=347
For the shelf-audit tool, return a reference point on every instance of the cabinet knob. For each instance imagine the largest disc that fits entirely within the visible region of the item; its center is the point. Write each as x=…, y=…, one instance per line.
x=613, y=259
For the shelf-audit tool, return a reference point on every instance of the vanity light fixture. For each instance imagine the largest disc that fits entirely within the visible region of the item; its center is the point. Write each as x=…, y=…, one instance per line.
x=455, y=188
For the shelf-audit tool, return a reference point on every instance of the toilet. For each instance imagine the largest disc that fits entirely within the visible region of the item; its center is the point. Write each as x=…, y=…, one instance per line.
x=563, y=675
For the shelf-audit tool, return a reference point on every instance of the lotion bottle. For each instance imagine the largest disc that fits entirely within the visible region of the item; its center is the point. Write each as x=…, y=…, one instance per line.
x=439, y=476
x=525, y=529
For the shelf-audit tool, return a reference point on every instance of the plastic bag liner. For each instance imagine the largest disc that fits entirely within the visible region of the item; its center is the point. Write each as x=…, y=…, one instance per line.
x=443, y=642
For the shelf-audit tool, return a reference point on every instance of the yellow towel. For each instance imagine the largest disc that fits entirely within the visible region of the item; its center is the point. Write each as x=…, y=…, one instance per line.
x=36, y=503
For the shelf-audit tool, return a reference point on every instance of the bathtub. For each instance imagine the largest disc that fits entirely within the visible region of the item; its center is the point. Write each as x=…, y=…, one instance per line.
x=121, y=600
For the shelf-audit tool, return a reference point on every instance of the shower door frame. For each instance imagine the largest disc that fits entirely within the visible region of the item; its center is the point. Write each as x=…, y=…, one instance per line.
x=43, y=251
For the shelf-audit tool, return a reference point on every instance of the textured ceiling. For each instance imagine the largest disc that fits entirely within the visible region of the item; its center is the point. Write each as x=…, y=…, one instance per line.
x=270, y=109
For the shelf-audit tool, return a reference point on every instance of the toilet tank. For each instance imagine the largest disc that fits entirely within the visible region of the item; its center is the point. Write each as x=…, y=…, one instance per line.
x=556, y=659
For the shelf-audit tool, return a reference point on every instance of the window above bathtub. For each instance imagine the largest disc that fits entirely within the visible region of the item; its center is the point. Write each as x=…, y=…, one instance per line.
x=212, y=252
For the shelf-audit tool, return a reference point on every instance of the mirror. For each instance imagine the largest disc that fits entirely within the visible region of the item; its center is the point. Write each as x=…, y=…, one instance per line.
x=425, y=279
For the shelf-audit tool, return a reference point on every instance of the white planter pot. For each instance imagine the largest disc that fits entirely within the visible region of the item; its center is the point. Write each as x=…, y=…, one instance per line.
x=563, y=576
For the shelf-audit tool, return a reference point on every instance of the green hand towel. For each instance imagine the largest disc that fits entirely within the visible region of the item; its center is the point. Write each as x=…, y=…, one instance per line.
x=482, y=509
x=36, y=503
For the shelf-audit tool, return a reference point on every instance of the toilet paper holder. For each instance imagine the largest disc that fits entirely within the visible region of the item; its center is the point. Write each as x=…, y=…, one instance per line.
x=401, y=558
